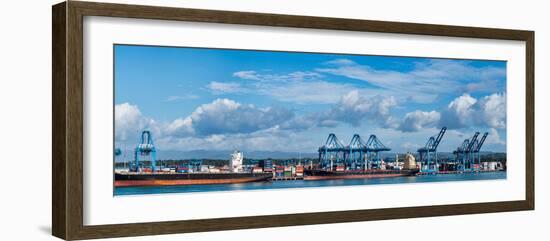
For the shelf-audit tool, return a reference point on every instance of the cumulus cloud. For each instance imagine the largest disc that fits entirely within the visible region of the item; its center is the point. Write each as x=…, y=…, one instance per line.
x=180, y=127
x=129, y=122
x=465, y=111
x=494, y=138
x=417, y=120
x=354, y=109
x=459, y=112
x=492, y=111
x=227, y=116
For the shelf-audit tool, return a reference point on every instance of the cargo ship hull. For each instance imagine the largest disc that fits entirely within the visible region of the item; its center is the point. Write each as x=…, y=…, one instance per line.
x=175, y=179
x=312, y=175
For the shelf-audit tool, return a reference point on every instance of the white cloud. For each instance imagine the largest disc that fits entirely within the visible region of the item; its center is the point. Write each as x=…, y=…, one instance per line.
x=215, y=138
x=458, y=112
x=224, y=116
x=270, y=139
x=303, y=87
x=223, y=87
x=340, y=62
x=180, y=127
x=319, y=92
x=425, y=82
x=417, y=120
x=492, y=111
x=182, y=97
x=129, y=122
x=490, y=85
x=494, y=138
x=269, y=77
x=354, y=109
x=247, y=74
x=465, y=111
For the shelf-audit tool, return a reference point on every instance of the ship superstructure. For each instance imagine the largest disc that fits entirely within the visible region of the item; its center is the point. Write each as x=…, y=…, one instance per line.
x=236, y=161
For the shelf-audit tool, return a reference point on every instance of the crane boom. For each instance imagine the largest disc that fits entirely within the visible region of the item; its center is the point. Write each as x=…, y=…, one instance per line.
x=333, y=142
x=375, y=145
x=437, y=140
x=472, y=141
x=481, y=141
x=357, y=142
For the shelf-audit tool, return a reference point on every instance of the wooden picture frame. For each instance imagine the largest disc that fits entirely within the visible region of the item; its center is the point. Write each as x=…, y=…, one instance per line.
x=67, y=123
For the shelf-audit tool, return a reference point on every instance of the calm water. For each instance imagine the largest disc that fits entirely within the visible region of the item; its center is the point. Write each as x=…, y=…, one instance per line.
x=302, y=184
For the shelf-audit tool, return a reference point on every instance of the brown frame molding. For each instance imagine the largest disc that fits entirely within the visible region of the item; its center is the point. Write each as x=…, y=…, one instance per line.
x=67, y=121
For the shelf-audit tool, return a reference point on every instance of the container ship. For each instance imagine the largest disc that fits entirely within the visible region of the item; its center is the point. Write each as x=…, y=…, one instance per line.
x=235, y=175
x=356, y=174
x=409, y=169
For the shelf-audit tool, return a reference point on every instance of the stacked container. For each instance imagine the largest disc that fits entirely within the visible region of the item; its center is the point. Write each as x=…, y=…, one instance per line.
x=288, y=171
x=299, y=171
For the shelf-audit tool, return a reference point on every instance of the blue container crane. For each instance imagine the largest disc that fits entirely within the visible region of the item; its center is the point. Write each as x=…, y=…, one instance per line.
x=356, y=152
x=428, y=153
x=464, y=153
x=374, y=146
x=195, y=165
x=333, y=150
x=144, y=148
x=477, y=147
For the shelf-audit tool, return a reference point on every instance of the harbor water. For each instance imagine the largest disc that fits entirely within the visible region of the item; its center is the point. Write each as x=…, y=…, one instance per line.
x=309, y=184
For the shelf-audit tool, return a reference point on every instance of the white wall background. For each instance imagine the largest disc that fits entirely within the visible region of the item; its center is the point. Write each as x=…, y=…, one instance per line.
x=25, y=119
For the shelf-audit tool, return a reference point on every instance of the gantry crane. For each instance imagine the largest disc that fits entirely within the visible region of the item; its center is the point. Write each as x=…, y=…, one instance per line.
x=428, y=153
x=375, y=146
x=464, y=153
x=144, y=148
x=357, y=151
x=333, y=150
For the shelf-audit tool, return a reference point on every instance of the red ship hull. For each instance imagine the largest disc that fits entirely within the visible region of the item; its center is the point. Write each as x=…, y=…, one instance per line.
x=328, y=175
x=136, y=180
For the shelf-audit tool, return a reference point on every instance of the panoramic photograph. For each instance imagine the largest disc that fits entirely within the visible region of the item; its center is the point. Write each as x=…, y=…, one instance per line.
x=190, y=119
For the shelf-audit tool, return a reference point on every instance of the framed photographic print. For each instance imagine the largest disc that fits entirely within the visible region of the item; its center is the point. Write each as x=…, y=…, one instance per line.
x=171, y=120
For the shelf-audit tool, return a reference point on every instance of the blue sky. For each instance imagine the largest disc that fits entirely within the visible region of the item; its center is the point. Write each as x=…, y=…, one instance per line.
x=197, y=98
